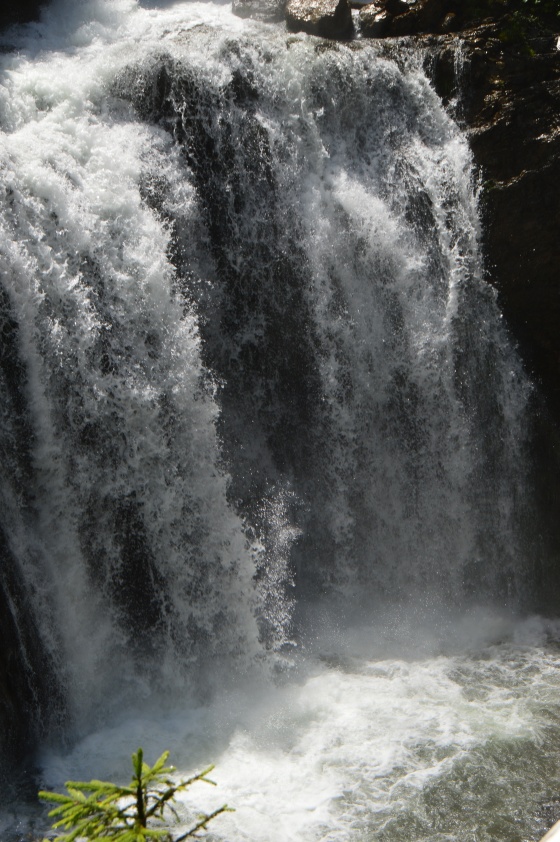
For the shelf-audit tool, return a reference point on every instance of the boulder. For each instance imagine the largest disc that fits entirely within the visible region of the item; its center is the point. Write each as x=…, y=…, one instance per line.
x=327, y=18
x=420, y=17
x=450, y=23
x=396, y=7
x=399, y=18
x=374, y=22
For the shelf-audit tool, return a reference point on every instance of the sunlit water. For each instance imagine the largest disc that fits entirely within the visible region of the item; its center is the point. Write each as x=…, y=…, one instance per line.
x=387, y=732
x=259, y=349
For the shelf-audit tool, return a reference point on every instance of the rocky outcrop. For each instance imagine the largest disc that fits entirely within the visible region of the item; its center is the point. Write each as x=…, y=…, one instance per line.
x=507, y=95
x=509, y=101
x=394, y=18
x=375, y=22
x=515, y=137
x=420, y=17
x=327, y=18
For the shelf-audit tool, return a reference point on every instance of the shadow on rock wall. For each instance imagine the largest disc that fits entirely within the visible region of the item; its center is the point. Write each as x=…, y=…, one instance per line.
x=20, y=11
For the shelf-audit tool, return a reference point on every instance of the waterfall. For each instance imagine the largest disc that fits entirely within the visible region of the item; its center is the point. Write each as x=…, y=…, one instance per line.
x=249, y=360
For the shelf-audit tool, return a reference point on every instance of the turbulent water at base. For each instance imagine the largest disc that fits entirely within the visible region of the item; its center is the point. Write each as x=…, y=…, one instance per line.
x=265, y=490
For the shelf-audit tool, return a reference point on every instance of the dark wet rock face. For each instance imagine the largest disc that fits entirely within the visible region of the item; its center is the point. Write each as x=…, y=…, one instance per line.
x=19, y=11
x=375, y=22
x=515, y=138
x=327, y=18
x=510, y=102
x=422, y=16
x=396, y=18
x=30, y=696
x=508, y=97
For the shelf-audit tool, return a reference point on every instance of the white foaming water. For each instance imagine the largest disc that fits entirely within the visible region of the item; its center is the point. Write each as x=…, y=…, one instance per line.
x=389, y=732
x=254, y=347
x=89, y=280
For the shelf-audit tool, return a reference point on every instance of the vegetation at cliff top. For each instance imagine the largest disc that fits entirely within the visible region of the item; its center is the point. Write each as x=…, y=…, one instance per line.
x=134, y=813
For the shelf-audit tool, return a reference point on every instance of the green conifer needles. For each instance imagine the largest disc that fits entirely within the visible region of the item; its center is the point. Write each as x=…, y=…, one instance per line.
x=135, y=813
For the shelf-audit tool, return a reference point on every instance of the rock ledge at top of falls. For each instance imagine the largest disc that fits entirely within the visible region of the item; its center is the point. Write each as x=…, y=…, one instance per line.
x=327, y=18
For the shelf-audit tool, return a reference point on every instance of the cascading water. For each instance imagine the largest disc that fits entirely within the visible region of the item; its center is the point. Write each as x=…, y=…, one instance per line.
x=334, y=206
x=255, y=394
